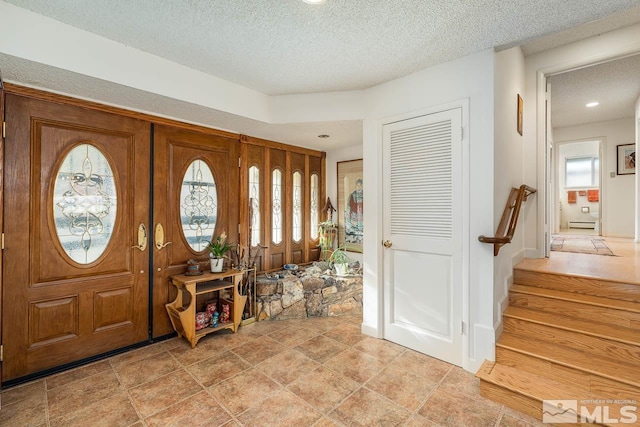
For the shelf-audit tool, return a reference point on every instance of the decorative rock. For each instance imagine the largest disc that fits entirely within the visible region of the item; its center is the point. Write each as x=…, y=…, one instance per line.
x=345, y=307
x=329, y=290
x=292, y=291
x=296, y=311
x=313, y=304
x=266, y=287
x=312, y=283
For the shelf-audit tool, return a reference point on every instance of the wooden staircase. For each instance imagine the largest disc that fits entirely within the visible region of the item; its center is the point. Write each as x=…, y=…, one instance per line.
x=566, y=338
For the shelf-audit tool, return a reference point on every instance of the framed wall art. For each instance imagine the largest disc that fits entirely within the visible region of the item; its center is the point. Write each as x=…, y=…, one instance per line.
x=520, y=111
x=350, y=205
x=626, y=159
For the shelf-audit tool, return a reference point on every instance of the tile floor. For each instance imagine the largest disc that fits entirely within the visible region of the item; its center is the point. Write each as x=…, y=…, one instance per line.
x=316, y=372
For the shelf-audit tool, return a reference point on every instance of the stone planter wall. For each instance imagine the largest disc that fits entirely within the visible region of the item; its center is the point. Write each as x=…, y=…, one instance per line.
x=291, y=296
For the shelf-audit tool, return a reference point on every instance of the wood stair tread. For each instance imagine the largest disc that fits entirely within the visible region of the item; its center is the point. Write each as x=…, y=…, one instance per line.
x=576, y=297
x=534, y=386
x=593, y=328
x=602, y=366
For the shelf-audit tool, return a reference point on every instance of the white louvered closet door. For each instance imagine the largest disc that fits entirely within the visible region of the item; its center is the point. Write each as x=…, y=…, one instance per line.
x=422, y=177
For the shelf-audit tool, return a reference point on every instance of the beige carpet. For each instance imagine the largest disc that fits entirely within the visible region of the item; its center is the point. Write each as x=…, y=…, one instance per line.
x=580, y=245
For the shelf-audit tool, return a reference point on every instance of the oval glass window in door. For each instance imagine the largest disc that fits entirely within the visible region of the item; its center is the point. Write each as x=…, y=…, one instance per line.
x=198, y=205
x=84, y=203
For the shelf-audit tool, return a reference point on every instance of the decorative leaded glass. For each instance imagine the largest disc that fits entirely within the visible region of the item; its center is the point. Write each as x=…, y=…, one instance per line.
x=297, y=206
x=84, y=203
x=198, y=205
x=314, y=206
x=254, y=199
x=276, y=206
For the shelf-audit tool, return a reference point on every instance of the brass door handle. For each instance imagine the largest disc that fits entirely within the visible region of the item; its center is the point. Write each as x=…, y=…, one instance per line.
x=142, y=238
x=387, y=243
x=159, y=234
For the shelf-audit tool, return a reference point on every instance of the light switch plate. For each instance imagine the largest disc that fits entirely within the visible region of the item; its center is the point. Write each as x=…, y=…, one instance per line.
x=612, y=174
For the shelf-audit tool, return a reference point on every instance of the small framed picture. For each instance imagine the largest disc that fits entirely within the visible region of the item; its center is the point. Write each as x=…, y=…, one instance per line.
x=520, y=108
x=350, y=203
x=626, y=159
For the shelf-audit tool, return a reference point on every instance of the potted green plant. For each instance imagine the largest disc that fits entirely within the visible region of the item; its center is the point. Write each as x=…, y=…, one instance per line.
x=217, y=249
x=340, y=261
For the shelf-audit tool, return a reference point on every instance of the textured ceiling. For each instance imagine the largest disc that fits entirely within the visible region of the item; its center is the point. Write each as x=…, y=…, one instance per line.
x=615, y=84
x=287, y=46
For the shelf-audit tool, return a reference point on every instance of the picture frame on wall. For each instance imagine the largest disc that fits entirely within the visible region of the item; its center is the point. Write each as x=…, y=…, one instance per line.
x=350, y=205
x=626, y=162
x=519, y=119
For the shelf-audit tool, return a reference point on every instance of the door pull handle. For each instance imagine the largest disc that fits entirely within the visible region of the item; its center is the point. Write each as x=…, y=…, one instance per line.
x=159, y=234
x=142, y=238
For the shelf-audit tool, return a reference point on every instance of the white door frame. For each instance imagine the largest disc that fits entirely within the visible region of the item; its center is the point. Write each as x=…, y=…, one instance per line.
x=613, y=52
x=602, y=153
x=463, y=104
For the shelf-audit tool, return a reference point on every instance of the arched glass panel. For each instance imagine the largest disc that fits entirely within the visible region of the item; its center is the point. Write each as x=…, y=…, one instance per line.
x=314, y=206
x=254, y=199
x=276, y=206
x=198, y=205
x=84, y=203
x=297, y=206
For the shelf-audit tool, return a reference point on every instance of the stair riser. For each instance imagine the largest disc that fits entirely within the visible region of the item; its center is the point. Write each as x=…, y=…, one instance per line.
x=587, y=344
x=589, y=286
x=514, y=400
x=627, y=319
x=581, y=382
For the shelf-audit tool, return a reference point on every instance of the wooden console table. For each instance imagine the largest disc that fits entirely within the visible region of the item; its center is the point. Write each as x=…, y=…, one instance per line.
x=183, y=317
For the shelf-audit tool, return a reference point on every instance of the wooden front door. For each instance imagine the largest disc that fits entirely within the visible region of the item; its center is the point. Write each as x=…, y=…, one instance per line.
x=76, y=206
x=195, y=199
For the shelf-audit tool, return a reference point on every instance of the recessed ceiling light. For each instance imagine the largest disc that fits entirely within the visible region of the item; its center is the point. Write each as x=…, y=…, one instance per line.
x=314, y=1
x=593, y=104
x=324, y=135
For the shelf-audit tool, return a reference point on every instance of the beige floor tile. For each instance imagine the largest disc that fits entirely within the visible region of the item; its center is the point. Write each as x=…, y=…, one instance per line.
x=206, y=349
x=454, y=409
x=281, y=409
x=114, y=411
x=355, y=365
x=366, y=408
x=419, y=421
x=77, y=374
x=421, y=364
x=156, y=395
x=529, y=420
x=266, y=327
x=406, y=388
x=293, y=335
x=509, y=421
x=137, y=354
x=461, y=381
x=323, y=389
x=199, y=410
x=218, y=368
x=228, y=340
x=346, y=333
x=259, y=349
x=321, y=348
x=326, y=422
x=34, y=390
x=78, y=394
x=141, y=371
x=244, y=391
x=20, y=408
x=287, y=366
x=383, y=350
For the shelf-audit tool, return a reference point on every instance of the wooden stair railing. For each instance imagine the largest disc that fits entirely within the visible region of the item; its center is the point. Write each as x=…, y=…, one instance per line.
x=509, y=218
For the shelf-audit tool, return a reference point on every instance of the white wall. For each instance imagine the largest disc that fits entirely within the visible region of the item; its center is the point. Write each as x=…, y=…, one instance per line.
x=613, y=44
x=469, y=78
x=573, y=211
x=508, y=170
x=333, y=157
x=618, y=200
x=637, y=175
